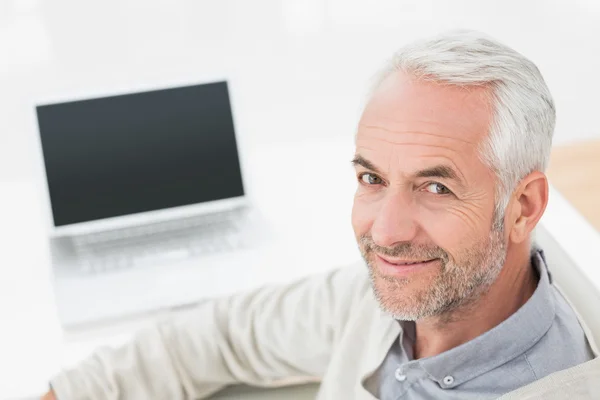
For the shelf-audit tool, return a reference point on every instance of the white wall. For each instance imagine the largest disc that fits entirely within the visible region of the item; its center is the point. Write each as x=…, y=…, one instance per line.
x=298, y=68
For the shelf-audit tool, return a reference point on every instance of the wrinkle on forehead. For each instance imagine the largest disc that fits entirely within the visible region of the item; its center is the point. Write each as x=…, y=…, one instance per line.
x=416, y=132
x=416, y=139
x=403, y=105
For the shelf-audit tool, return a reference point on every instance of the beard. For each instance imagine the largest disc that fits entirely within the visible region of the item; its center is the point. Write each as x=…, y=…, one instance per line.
x=458, y=284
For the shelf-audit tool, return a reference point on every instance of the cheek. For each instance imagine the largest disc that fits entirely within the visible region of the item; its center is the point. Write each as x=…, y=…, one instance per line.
x=454, y=230
x=363, y=214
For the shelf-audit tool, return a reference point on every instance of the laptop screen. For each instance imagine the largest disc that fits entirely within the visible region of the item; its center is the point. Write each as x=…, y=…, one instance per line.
x=127, y=154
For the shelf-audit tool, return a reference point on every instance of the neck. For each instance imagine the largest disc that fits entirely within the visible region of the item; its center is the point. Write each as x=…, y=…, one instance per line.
x=513, y=287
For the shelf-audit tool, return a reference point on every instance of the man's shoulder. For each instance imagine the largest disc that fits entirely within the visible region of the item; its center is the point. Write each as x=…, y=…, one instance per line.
x=351, y=281
x=564, y=345
x=352, y=278
x=350, y=287
x=581, y=382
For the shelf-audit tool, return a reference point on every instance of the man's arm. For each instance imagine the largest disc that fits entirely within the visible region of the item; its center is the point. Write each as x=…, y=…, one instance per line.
x=269, y=337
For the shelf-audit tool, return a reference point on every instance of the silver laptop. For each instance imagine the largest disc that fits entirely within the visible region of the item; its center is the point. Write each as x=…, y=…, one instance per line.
x=142, y=187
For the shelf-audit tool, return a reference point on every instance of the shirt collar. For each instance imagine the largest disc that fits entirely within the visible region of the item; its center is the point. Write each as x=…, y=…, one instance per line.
x=506, y=341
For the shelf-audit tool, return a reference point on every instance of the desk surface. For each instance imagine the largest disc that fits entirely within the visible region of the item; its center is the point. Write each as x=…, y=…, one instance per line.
x=285, y=182
x=311, y=205
x=575, y=171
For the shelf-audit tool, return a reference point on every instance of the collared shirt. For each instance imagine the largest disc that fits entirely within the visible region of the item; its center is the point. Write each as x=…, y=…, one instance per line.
x=329, y=328
x=542, y=337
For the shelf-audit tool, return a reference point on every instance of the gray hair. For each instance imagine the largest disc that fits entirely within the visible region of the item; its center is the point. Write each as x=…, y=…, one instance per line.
x=520, y=136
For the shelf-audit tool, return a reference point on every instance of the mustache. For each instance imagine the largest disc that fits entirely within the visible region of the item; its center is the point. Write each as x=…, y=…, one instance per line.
x=403, y=249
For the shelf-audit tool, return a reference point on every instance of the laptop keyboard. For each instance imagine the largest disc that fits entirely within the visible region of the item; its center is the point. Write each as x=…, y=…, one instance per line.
x=165, y=241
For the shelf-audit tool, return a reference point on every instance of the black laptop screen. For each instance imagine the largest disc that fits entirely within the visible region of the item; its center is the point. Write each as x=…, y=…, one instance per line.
x=121, y=155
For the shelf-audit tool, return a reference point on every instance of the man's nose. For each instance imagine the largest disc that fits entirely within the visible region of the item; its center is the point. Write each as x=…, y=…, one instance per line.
x=395, y=221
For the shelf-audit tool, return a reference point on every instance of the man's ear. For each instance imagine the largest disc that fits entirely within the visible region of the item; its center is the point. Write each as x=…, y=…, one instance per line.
x=529, y=202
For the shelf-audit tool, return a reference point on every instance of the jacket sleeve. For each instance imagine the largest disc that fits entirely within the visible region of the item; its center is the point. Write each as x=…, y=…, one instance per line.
x=269, y=337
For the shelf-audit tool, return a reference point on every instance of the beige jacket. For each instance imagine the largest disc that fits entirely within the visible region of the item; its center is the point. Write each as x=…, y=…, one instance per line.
x=326, y=328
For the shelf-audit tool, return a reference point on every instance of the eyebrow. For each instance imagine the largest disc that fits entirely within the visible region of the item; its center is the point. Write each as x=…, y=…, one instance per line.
x=438, y=171
x=363, y=162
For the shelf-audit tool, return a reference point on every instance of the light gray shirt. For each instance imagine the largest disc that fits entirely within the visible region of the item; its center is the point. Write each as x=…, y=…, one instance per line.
x=542, y=337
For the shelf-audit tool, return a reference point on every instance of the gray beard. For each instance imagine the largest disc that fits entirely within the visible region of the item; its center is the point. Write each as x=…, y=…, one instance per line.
x=454, y=288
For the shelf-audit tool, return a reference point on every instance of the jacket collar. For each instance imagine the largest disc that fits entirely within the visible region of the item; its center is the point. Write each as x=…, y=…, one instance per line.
x=508, y=340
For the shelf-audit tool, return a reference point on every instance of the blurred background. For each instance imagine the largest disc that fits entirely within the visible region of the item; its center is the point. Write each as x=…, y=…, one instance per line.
x=298, y=72
x=305, y=63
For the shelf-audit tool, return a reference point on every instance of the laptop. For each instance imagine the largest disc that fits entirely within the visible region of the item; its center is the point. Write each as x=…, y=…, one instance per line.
x=143, y=188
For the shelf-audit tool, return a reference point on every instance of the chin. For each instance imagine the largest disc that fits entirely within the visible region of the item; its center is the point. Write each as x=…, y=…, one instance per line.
x=398, y=297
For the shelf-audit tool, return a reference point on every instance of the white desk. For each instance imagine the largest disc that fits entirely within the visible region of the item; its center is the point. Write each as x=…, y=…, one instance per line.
x=304, y=190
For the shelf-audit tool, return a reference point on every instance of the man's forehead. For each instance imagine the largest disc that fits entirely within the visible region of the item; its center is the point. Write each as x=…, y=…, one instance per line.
x=415, y=133
x=403, y=105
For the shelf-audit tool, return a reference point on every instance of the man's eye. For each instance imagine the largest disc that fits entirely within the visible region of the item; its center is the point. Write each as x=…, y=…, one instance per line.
x=437, y=188
x=370, y=179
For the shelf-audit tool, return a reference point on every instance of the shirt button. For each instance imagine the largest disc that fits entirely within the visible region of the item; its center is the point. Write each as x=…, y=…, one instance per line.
x=448, y=380
x=400, y=377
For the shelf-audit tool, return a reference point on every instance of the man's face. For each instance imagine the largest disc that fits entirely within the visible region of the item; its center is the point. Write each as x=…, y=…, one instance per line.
x=424, y=207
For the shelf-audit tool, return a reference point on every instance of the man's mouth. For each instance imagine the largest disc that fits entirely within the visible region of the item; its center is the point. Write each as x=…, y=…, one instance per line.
x=401, y=262
x=403, y=267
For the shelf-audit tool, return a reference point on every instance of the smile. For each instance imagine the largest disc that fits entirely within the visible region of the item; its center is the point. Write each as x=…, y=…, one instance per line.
x=395, y=267
x=404, y=262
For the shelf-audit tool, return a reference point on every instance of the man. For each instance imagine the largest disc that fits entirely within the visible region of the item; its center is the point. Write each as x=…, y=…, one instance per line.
x=454, y=301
